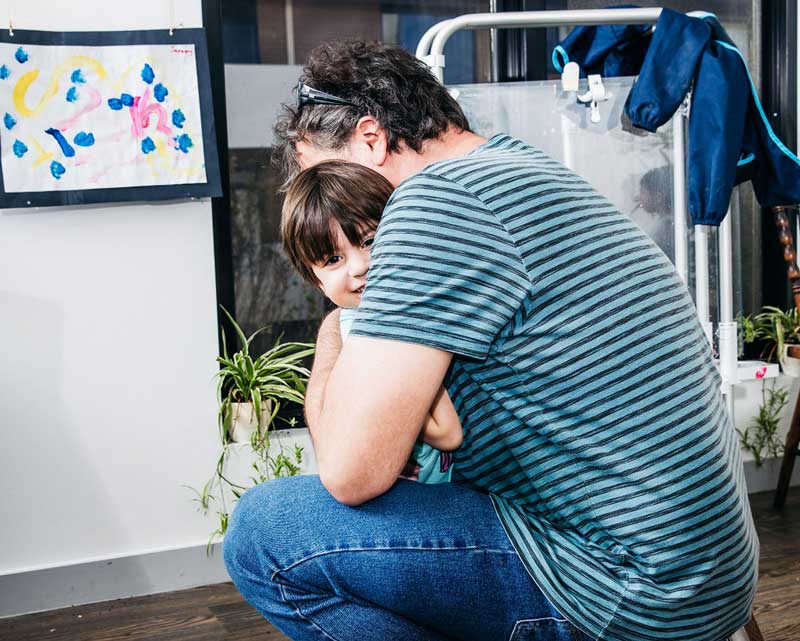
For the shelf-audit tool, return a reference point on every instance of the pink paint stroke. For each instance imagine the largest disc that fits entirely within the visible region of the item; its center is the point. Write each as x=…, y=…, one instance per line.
x=141, y=110
x=136, y=160
x=94, y=101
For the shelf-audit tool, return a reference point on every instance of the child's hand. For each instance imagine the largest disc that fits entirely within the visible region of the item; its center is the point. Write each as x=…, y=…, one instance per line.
x=329, y=335
x=411, y=470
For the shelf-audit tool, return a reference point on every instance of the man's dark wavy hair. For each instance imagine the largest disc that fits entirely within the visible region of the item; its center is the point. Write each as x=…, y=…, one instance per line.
x=385, y=82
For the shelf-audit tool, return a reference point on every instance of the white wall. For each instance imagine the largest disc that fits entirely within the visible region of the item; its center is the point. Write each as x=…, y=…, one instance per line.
x=107, y=345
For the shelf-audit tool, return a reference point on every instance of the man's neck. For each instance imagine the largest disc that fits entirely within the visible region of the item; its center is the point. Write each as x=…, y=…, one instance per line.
x=452, y=144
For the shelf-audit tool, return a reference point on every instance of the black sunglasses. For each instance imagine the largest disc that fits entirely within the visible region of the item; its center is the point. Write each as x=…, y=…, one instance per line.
x=309, y=96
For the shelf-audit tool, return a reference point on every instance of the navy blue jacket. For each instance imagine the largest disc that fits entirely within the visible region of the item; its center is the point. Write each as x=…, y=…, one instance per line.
x=730, y=139
x=610, y=50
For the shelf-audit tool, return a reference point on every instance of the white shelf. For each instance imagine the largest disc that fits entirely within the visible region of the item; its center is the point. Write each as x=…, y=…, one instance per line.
x=756, y=370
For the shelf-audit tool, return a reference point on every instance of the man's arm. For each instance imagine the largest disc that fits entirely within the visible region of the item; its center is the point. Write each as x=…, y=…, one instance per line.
x=365, y=406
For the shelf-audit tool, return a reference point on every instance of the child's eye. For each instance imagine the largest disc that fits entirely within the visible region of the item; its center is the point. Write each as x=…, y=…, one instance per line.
x=332, y=260
x=367, y=242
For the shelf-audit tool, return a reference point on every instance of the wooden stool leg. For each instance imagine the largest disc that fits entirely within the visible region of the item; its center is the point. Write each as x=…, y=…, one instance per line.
x=789, y=455
x=753, y=631
x=793, y=438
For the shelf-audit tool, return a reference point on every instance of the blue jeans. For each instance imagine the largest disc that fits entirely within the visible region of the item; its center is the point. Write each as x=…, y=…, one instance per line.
x=421, y=562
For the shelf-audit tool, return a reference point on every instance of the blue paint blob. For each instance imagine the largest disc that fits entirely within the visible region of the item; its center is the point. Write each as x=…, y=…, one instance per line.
x=4, y=72
x=9, y=121
x=77, y=77
x=178, y=118
x=20, y=148
x=21, y=55
x=72, y=94
x=83, y=139
x=160, y=92
x=148, y=145
x=115, y=103
x=127, y=99
x=147, y=74
x=57, y=169
x=184, y=142
x=66, y=148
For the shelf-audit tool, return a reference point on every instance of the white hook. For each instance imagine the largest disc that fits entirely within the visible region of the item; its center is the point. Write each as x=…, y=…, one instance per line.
x=10, y=22
x=597, y=93
x=171, y=17
x=570, y=77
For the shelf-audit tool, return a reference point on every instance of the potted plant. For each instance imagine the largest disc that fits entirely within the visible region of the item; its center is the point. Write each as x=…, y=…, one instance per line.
x=761, y=436
x=781, y=332
x=251, y=392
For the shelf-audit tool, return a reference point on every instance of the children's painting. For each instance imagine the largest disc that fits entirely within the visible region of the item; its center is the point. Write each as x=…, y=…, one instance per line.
x=112, y=121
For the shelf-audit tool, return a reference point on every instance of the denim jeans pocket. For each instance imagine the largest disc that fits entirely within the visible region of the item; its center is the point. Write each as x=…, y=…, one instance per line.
x=545, y=629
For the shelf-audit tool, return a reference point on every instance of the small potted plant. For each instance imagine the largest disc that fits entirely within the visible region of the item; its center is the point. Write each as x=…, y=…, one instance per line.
x=251, y=392
x=781, y=332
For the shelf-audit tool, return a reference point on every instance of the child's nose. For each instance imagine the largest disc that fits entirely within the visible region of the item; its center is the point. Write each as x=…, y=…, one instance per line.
x=359, y=265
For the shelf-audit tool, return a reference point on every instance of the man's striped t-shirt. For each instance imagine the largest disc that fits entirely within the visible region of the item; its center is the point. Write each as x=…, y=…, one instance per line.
x=586, y=387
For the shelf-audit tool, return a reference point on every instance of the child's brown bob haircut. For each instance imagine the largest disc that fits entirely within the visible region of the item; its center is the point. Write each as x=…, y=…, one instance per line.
x=330, y=193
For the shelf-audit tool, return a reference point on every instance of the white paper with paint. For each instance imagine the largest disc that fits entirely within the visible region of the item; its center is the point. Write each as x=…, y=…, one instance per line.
x=79, y=117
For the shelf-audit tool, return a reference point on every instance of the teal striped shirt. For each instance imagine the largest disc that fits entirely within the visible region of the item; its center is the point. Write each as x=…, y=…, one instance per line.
x=590, y=402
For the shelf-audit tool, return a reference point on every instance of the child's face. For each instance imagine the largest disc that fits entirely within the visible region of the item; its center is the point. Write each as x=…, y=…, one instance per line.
x=342, y=276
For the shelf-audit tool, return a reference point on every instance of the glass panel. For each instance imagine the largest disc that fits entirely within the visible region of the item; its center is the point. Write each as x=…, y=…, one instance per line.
x=742, y=20
x=633, y=171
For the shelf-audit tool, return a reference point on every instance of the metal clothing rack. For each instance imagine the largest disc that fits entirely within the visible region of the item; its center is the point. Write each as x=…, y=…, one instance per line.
x=431, y=51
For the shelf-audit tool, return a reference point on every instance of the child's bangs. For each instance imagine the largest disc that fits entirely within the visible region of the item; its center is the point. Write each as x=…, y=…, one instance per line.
x=315, y=234
x=355, y=224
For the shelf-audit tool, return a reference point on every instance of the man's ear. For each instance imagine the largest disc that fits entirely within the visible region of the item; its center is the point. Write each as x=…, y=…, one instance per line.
x=369, y=142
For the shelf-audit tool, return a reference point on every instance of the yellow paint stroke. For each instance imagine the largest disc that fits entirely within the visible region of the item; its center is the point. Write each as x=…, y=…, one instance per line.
x=43, y=156
x=25, y=82
x=189, y=171
x=150, y=164
x=121, y=80
x=161, y=151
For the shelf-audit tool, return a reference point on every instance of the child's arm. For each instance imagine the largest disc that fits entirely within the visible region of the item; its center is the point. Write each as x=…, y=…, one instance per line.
x=442, y=427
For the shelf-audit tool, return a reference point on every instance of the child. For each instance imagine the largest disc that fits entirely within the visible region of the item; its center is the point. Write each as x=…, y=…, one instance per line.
x=329, y=219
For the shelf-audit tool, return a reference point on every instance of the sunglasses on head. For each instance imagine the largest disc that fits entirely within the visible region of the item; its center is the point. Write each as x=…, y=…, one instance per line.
x=309, y=96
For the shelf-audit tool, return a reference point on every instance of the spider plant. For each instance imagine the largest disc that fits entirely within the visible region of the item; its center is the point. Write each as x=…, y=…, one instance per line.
x=776, y=327
x=266, y=382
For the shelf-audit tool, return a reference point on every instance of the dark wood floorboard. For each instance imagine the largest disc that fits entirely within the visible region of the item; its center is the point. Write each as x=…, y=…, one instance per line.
x=777, y=606
x=218, y=613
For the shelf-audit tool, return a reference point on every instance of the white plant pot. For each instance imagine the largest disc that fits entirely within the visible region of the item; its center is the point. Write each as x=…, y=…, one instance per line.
x=244, y=423
x=239, y=466
x=789, y=364
x=747, y=398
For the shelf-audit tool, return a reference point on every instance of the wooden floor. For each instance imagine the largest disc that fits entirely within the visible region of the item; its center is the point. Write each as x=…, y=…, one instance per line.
x=217, y=613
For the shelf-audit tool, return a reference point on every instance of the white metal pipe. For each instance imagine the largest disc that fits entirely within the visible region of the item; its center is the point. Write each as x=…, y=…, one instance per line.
x=679, y=196
x=494, y=48
x=728, y=343
x=527, y=19
x=424, y=44
x=726, y=269
x=701, y=279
